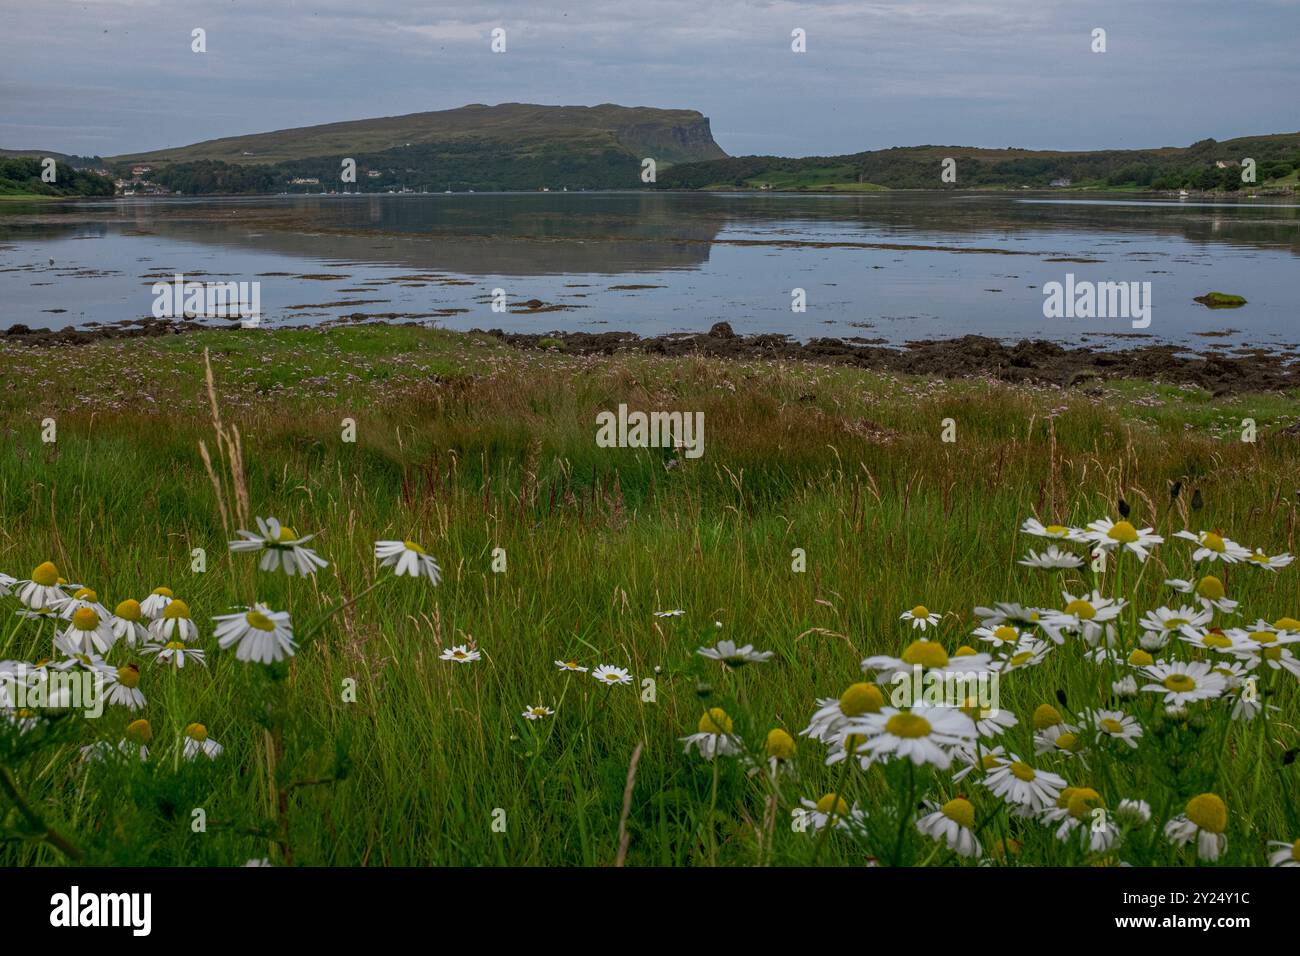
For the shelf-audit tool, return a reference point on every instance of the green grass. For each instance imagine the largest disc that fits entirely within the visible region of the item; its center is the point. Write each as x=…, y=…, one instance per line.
x=467, y=447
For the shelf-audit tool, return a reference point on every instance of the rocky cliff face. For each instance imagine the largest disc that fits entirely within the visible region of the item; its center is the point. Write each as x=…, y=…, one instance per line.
x=676, y=141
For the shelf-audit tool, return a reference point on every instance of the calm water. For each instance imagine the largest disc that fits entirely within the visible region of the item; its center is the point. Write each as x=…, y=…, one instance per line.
x=889, y=267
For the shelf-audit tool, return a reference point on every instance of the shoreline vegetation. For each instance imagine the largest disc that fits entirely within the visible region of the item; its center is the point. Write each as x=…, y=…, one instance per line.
x=399, y=733
x=1030, y=362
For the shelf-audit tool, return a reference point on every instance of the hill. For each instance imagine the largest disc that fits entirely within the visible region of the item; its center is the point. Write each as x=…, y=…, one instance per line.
x=20, y=177
x=918, y=167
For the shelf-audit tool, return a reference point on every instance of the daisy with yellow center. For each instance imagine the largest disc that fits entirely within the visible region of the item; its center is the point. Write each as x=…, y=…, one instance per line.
x=831, y=807
x=953, y=823
x=122, y=687
x=833, y=713
x=1209, y=592
x=87, y=633
x=128, y=623
x=989, y=720
x=1051, y=558
x=779, y=745
x=176, y=653
x=1056, y=532
x=1213, y=546
x=921, y=616
x=537, y=712
x=1088, y=615
x=174, y=624
x=461, y=654
x=1001, y=636
x=714, y=736
x=1184, y=682
x=572, y=667
x=610, y=675
x=1277, y=562
x=1030, y=652
x=281, y=547
x=1096, y=832
x=199, y=744
x=407, y=558
x=1204, y=819
x=1162, y=623
x=1113, y=725
x=42, y=590
x=257, y=633
x=927, y=656
x=1110, y=535
x=1286, y=854
x=153, y=605
x=923, y=734
x=1026, y=789
x=136, y=742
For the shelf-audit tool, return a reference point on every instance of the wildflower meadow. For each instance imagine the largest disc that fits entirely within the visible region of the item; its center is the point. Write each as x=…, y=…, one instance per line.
x=377, y=596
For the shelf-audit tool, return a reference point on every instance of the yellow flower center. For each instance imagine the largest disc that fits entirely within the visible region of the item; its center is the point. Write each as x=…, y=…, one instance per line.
x=139, y=731
x=1063, y=801
x=197, y=732
x=1263, y=637
x=1057, y=530
x=1045, y=715
x=920, y=611
x=1208, y=812
x=85, y=594
x=1112, y=726
x=965, y=651
x=1212, y=541
x=1295, y=850
x=990, y=761
x=1022, y=658
x=926, y=653
x=1215, y=639
x=1123, y=532
x=960, y=811
x=861, y=699
x=84, y=619
x=1006, y=634
x=1083, y=801
x=1259, y=557
x=1068, y=742
x=287, y=534
x=1287, y=624
x=128, y=675
x=164, y=592
x=833, y=802
x=176, y=610
x=1272, y=653
x=175, y=645
x=412, y=546
x=1175, y=622
x=1141, y=658
x=1180, y=683
x=128, y=610
x=1210, y=588
x=260, y=621
x=46, y=575
x=715, y=721
x=1081, y=609
x=908, y=725
x=1022, y=771
x=779, y=744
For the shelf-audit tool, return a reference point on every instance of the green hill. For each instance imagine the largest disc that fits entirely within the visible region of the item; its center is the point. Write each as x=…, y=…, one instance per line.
x=510, y=146
x=20, y=177
x=918, y=167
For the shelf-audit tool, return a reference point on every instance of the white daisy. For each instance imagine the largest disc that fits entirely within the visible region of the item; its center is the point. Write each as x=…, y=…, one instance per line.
x=1214, y=547
x=87, y=633
x=611, y=675
x=1125, y=687
x=461, y=654
x=7, y=582
x=281, y=547
x=832, y=807
x=537, y=712
x=1088, y=615
x=83, y=598
x=1030, y=652
x=930, y=657
x=1050, y=559
x=407, y=558
x=1057, y=532
x=1009, y=613
x=1287, y=854
x=953, y=823
x=1184, y=681
x=1108, y=535
x=714, y=737
x=571, y=666
x=152, y=607
x=1113, y=725
x=263, y=635
x=732, y=656
x=676, y=612
x=833, y=713
x=921, y=617
x=1166, y=621
x=122, y=687
x=1022, y=786
x=1277, y=562
x=176, y=653
x=1209, y=592
x=1003, y=637
x=138, y=737
x=198, y=742
x=127, y=623
x=1133, y=813
x=1204, y=819
x=922, y=734
x=1059, y=738
x=42, y=589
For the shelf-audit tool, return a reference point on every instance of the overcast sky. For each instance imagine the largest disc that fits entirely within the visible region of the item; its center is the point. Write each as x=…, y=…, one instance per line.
x=112, y=76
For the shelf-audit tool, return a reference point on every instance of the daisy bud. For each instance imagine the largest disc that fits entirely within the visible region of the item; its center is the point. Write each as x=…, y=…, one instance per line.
x=1045, y=715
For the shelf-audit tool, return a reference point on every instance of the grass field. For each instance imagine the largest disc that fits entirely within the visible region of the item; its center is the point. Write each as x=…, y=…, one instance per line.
x=367, y=748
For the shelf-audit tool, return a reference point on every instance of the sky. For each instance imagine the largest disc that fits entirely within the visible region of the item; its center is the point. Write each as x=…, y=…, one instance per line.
x=104, y=77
